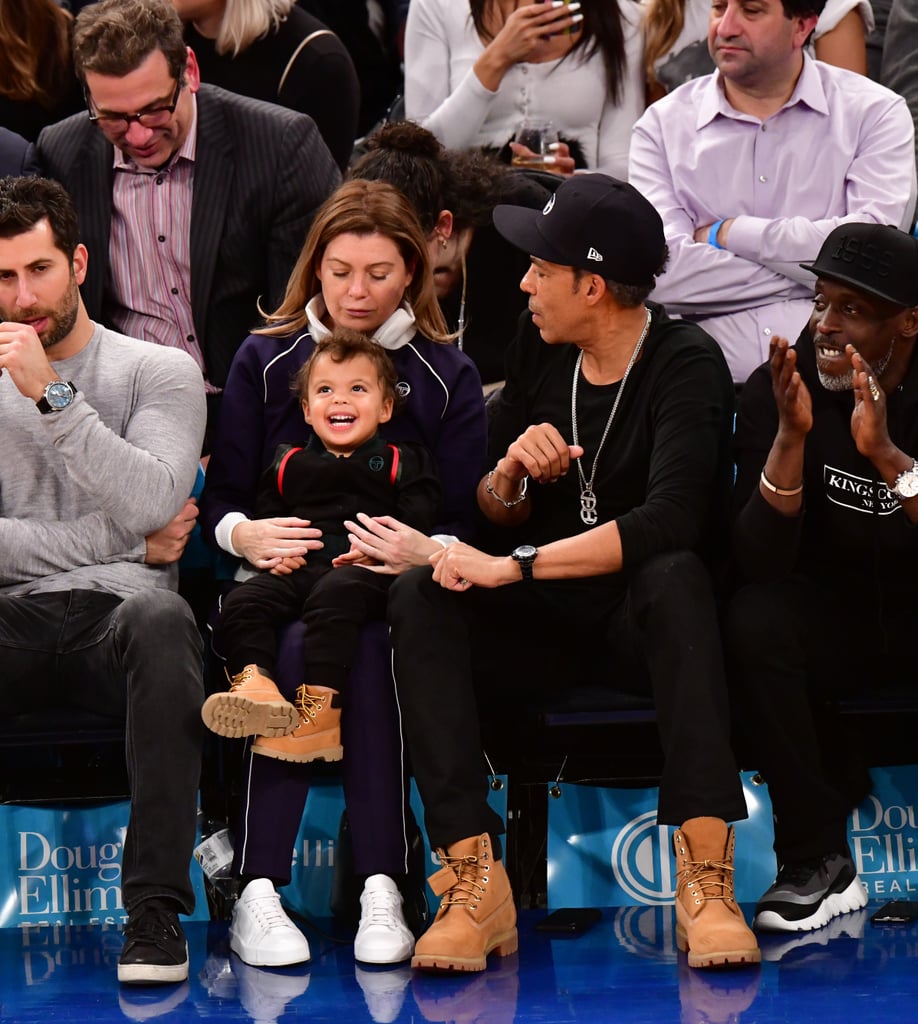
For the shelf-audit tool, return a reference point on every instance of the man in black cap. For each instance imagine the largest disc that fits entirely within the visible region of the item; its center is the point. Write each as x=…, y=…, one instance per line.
x=610, y=449
x=827, y=492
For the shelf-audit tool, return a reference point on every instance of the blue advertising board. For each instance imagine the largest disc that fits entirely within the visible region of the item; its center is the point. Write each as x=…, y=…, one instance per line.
x=606, y=849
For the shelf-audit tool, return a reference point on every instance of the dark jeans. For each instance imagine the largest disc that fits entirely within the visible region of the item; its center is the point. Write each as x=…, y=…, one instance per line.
x=139, y=659
x=332, y=603
x=790, y=645
x=661, y=628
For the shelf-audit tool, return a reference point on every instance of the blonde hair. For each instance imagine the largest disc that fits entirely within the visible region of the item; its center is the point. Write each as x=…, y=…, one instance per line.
x=245, y=21
x=663, y=22
x=362, y=208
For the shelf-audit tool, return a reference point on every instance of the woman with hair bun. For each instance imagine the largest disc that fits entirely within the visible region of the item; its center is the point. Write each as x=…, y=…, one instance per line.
x=476, y=273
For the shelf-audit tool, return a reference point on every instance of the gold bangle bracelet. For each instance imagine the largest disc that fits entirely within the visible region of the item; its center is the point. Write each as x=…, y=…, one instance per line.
x=782, y=491
x=497, y=497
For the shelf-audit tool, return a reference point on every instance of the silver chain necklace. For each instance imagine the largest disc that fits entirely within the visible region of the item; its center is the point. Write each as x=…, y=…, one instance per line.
x=587, y=497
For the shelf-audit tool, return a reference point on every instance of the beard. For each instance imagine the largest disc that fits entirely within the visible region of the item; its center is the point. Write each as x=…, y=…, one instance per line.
x=62, y=318
x=845, y=381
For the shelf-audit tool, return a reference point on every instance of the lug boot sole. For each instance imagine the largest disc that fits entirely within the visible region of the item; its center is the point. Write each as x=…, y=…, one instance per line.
x=235, y=715
x=718, y=958
x=502, y=945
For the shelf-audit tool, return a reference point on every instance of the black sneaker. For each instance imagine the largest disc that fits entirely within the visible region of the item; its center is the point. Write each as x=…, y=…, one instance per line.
x=808, y=894
x=155, y=951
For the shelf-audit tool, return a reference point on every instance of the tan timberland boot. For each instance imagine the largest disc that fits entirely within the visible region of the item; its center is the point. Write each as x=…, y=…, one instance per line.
x=253, y=706
x=710, y=926
x=317, y=736
x=476, y=916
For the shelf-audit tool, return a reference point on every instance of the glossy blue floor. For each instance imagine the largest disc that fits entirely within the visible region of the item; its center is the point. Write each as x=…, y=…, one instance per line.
x=625, y=969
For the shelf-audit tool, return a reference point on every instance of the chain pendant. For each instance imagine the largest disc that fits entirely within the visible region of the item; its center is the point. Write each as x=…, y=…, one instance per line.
x=588, y=507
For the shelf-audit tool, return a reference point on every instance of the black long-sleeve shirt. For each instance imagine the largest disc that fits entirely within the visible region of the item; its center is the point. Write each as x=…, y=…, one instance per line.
x=852, y=531
x=664, y=471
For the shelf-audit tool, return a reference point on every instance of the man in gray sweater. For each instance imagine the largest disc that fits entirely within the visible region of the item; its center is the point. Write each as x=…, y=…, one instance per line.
x=101, y=435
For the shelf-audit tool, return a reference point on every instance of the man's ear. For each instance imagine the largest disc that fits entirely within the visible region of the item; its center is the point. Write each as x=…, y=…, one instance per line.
x=803, y=29
x=909, y=328
x=80, y=263
x=594, y=288
x=192, y=71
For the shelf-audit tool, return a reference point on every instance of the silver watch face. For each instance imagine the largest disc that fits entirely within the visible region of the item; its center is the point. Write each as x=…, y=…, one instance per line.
x=58, y=394
x=907, y=484
x=524, y=553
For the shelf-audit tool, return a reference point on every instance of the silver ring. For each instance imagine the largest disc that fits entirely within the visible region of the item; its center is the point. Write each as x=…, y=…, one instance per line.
x=463, y=582
x=874, y=390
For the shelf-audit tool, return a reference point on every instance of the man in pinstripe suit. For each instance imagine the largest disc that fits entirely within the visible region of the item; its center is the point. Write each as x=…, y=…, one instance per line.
x=195, y=201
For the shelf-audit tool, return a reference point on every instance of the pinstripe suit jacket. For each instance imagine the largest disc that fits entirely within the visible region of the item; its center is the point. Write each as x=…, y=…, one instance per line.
x=260, y=173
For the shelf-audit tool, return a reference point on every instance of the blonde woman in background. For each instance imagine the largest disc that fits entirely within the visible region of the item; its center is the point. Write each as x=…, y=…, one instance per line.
x=274, y=51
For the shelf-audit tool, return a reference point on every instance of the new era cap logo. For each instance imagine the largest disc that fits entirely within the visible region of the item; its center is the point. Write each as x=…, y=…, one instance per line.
x=594, y=255
x=548, y=206
x=867, y=256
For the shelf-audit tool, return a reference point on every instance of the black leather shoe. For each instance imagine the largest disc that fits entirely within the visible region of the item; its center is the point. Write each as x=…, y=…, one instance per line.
x=155, y=951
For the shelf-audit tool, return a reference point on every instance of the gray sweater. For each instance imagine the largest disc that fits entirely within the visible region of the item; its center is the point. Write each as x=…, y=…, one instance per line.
x=81, y=488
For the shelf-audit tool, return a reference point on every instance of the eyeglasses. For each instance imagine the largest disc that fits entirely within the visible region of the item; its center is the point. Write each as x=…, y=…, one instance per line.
x=154, y=117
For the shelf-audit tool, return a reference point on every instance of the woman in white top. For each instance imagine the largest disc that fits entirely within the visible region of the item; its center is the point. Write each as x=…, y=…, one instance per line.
x=474, y=70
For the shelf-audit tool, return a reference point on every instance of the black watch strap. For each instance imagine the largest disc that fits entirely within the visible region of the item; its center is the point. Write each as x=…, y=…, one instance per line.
x=524, y=556
x=58, y=395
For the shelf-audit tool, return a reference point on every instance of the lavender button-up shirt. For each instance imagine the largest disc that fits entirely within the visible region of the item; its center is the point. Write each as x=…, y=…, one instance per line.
x=841, y=148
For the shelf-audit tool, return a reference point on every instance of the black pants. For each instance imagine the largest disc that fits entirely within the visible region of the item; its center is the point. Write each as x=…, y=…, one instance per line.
x=139, y=659
x=333, y=603
x=661, y=628
x=789, y=646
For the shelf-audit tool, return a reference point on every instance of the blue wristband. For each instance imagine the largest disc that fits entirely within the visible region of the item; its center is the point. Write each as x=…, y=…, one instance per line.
x=712, y=234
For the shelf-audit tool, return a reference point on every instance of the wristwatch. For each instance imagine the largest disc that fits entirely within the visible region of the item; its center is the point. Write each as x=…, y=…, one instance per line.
x=906, y=484
x=57, y=395
x=524, y=556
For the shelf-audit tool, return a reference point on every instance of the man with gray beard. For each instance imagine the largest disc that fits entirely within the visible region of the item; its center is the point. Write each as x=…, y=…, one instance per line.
x=825, y=542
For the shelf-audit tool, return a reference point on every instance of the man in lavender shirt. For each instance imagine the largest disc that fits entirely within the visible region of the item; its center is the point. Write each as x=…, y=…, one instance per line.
x=752, y=167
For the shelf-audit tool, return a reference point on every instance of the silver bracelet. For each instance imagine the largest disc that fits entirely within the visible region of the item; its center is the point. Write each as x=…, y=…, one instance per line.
x=784, y=492
x=497, y=497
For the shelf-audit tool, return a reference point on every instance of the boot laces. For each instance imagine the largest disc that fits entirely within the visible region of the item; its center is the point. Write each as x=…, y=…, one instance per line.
x=468, y=888
x=240, y=679
x=309, y=704
x=707, y=880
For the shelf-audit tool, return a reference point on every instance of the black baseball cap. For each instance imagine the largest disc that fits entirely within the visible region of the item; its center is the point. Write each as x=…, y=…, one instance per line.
x=875, y=258
x=592, y=222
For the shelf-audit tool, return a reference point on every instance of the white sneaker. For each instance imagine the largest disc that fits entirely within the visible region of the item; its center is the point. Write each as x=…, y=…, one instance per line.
x=382, y=935
x=261, y=934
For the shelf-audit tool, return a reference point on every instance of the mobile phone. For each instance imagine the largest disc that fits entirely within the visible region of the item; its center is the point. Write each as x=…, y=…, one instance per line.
x=896, y=912
x=570, y=920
